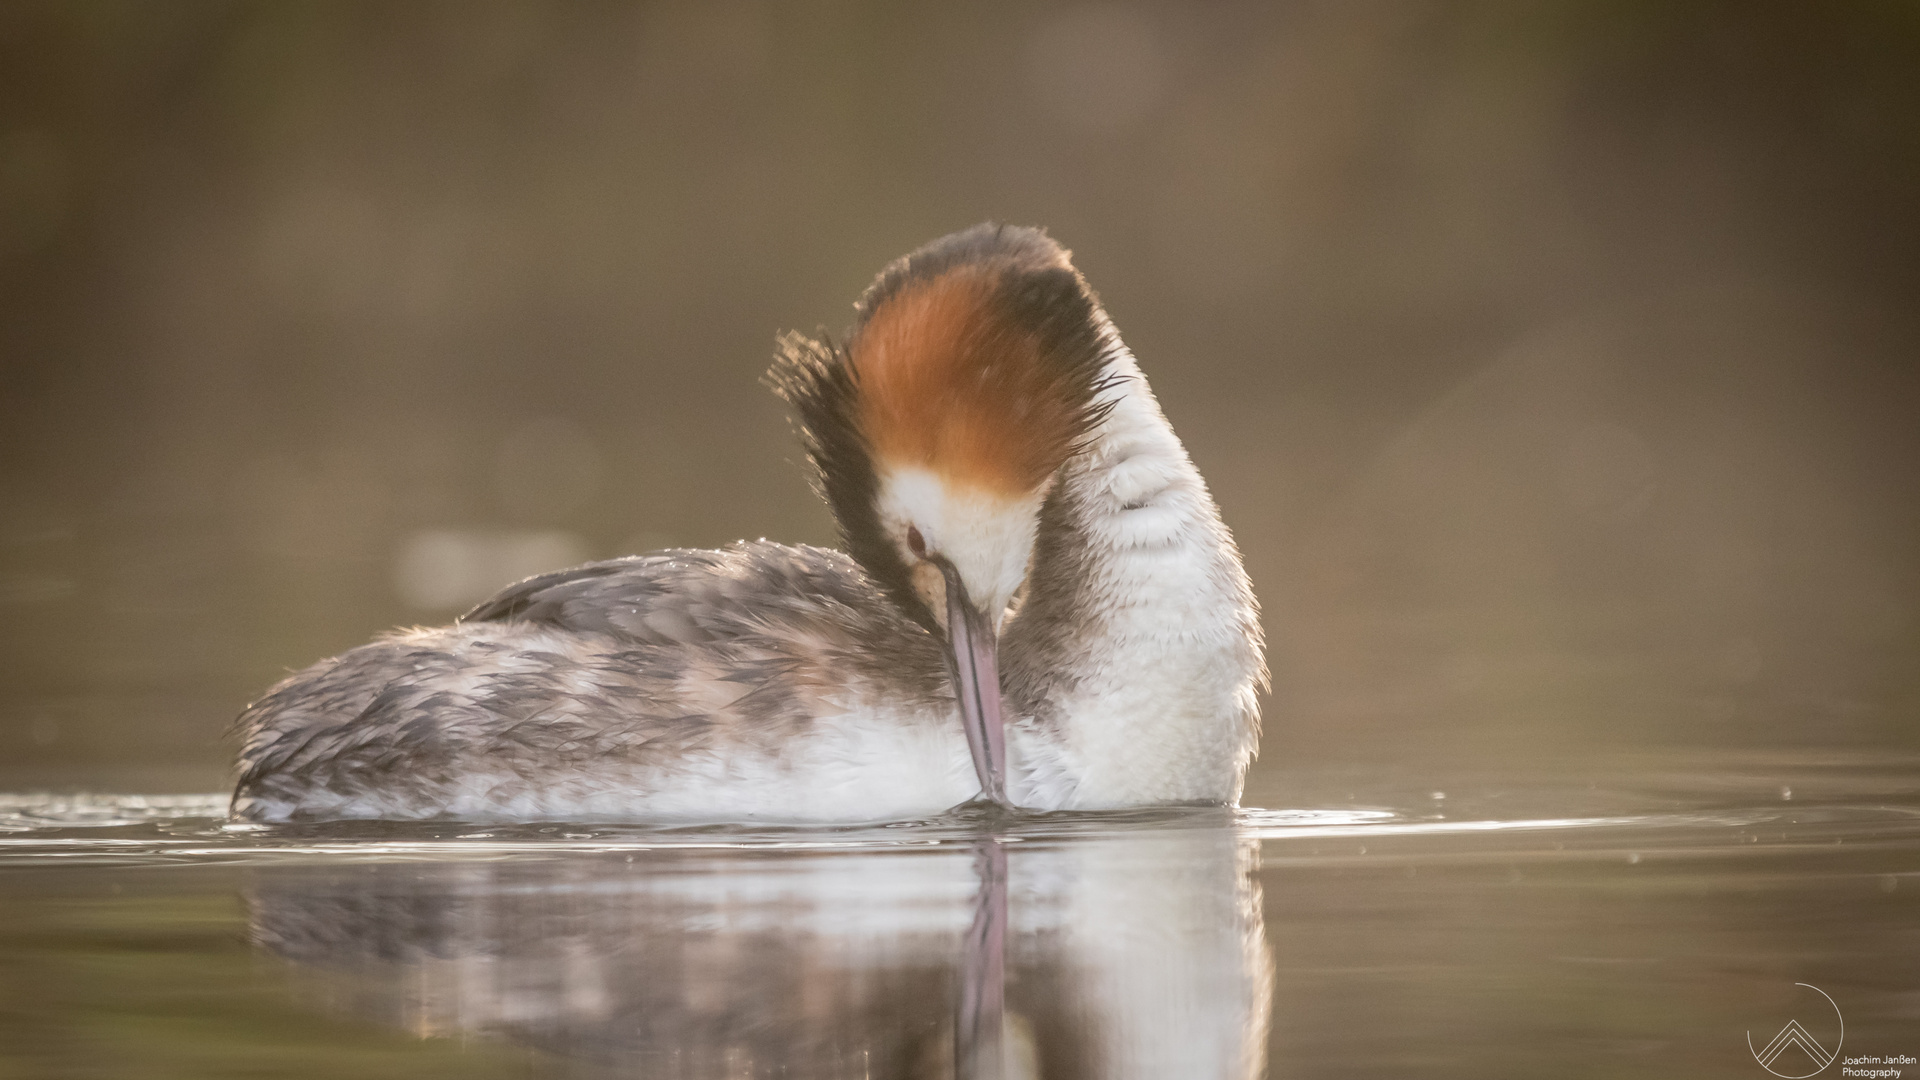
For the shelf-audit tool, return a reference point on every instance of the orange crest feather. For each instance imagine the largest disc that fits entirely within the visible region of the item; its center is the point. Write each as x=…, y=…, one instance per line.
x=950, y=383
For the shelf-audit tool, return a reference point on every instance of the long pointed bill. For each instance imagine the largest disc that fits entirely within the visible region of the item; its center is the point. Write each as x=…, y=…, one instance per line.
x=973, y=647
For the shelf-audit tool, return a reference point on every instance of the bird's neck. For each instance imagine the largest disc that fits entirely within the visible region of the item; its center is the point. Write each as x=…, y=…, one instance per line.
x=1135, y=656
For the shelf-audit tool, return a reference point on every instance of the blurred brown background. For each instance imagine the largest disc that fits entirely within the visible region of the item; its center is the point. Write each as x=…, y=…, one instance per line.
x=1554, y=364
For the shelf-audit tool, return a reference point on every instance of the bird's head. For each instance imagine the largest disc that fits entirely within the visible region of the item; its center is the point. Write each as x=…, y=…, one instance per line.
x=973, y=372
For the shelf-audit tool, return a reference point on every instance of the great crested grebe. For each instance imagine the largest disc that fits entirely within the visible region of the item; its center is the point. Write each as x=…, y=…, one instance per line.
x=1038, y=605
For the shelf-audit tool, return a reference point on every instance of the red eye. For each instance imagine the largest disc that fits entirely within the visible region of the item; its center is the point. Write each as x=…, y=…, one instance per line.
x=915, y=542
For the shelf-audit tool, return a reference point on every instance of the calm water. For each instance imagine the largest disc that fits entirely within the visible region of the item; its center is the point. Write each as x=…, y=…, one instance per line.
x=1565, y=926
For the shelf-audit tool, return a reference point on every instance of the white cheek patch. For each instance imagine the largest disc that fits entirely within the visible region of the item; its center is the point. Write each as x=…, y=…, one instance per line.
x=987, y=536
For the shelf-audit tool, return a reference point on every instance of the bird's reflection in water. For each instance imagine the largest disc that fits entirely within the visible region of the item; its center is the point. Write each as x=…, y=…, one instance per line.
x=1132, y=954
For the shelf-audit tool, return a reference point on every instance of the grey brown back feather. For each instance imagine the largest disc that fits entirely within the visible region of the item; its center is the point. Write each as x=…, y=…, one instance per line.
x=635, y=662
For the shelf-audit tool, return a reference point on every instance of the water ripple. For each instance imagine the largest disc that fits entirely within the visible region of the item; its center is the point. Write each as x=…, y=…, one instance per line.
x=191, y=829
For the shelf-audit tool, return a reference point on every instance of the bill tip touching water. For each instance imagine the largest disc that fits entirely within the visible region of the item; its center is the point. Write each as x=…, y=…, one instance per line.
x=1036, y=604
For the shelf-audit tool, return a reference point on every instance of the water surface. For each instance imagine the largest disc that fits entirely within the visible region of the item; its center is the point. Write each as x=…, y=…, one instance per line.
x=1561, y=925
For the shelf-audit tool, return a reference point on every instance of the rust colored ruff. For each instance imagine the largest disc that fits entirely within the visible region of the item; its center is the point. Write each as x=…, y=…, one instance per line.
x=950, y=382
